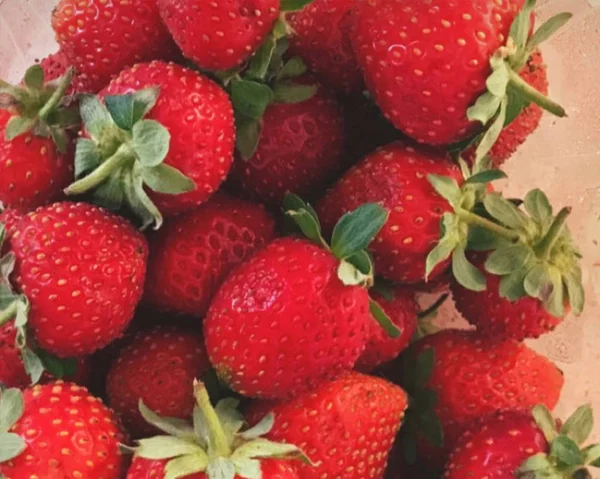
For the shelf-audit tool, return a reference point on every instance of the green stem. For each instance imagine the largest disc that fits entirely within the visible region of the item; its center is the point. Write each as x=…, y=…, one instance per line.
x=219, y=443
x=57, y=96
x=8, y=314
x=544, y=247
x=473, y=219
x=527, y=91
x=102, y=173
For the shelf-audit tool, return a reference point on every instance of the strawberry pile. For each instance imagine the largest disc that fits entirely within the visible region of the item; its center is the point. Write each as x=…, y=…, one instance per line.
x=216, y=222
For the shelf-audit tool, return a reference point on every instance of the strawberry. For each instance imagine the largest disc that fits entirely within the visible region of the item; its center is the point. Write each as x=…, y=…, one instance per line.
x=219, y=35
x=162, y=127
x=58, y=430
x=321, y=38
x=82, y=270
x=402, y=308
x=101, y=38
x=157, y=367
x=346, y=427
x=214, y=446
x=295, y=314
x=193, y=253
x=427, y=65
x=299, y=151
x=523, y=444
x=56, y=65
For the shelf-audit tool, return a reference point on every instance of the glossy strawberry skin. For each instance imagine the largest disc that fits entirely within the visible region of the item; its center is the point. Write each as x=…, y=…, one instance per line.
x=427, y=62
x=402, y=309
x=283, y=322
x=473, y=377
x=395, y=176
x=300, y=150
x=83, y=271
x=100, y=38
x=322, y=32
x=69, y=433
x=56, y=65
x=346, y=427
x=158, y=366
x=219, y=35
x=498, y=318
x=33, y=171
x=155, y=469
x=199, y=117
x=192, y=254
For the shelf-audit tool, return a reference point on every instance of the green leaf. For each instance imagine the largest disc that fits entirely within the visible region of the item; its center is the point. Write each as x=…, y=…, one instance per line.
x=424, y=368
x=259, y=64
x=567, y=451
x=493, y=132
x=247, y=136
x=575, y=291
x=60, y=138
x=143, y=101
x=11, y=408
x=230, y=417
x=363, y=262
x=95, y=116
x=305, y=217
x=264, y=426
x=507, y=259
x=538, y=282
x=431, y=429
x=34, y=77
x=167, y=180
x=294, y=5
x=221, y=468
x=544, y=420
x=186, y=465
x=18, y=126
x=293, y=68
x=555, y=304
x=248, y=468
x=516, y=103
x=465, y=273
x=485, y=108
x=264, y=448
x=519, y=30
x=383, y=319
x=11, y=446
x=166, y=447
x=138, y=200
x=538, y=206
x=355, y=230
x=120, y=108
x=58, y=367
x=350, y=275
x=286, y=93
x=539, y=463
x=511, y=286
x=33, y=364
x=579, y=426
x=87, y=157
x=592, y=454
x=150, y=142
x=442, y=251
x=446, y=187
x=549, y=28
x=294, y=202
x=497, y=82
x=504, y=211
x=110, y=193
x=250, y=98
x=486, y=176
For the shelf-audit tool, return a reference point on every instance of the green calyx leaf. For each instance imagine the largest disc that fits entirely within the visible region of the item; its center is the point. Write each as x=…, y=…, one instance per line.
x=248, y=133
x=11, y=446
x=355, y=230
x=291, y=93
x=452, y=237
x=150, y=142
x=465, y=273
x=383, y=319
x=250, y=98
x=176, y=427
x=58, y=367
x=293, y=68
x=305, y=218
x=11, y=408
x=186, y=465
x=294, y=5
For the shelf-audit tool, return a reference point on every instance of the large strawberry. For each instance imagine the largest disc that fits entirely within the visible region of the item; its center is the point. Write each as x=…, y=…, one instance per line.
x=193, y=253
x=321, y=36
x=441, y=71
x=100, y=38
x=58, y=430
x=156, y=367
x=216, y=445
x=524, y=444
x=346, y=427
x=295, y=314
x=160, y=127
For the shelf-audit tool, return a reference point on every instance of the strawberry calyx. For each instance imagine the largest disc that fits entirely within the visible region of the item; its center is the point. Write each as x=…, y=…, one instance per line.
x=40, y=107
x=215, y=443
x=566, y=457
x=12, y=407
x=507, y=93
x=124, y=155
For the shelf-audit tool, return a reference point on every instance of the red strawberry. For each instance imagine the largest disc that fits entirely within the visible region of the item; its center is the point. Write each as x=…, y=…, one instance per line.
x=400, y=305
x=56, y=65
x=101, y=38
x=59, y=430
x=157, y=367
x=219, y=35
x=346, y=427
x=82, y=270
x=322, y=38
x=395, y=176
x=191, y=150
x=193, y=253
x=299, y=151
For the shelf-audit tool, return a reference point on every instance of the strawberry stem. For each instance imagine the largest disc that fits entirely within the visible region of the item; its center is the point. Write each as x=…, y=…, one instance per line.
x=57, y=96
x=8, y=314
x=218, y=439
x=545, y=246
x=527, y=91
x=473, y=219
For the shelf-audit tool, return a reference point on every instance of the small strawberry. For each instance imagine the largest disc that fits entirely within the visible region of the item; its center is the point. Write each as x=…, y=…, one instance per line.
x=55, y=66
x=215, y=446
x=58, y=430
x=295, y=314
x=157, y=367
x=193, y=253
x=100, y=38
x=442, y=71
x=525, y=444
x=160, y=127
x=321, y=37
x=346, y=427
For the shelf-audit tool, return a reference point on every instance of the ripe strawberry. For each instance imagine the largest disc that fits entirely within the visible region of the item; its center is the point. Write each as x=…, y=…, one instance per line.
x=59, y=430
x=396, y=176
x=193, y=253
x=346, y=427
x=82, y=270
x=157, y=367
x=219, y=35
x=190, y=151
x=402, y=308
x=322, y=38
x=101, y=38
x=56, y=65
x=299, y=151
